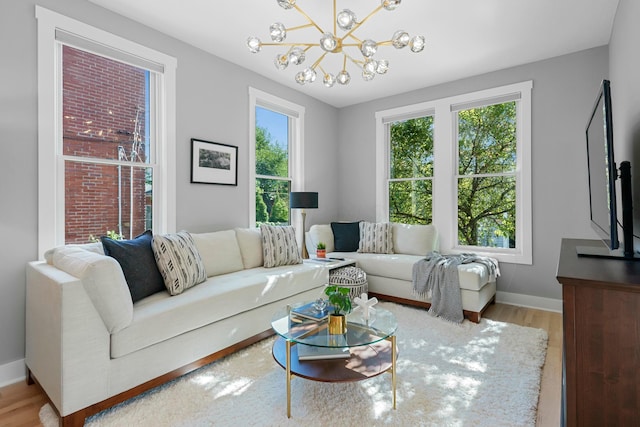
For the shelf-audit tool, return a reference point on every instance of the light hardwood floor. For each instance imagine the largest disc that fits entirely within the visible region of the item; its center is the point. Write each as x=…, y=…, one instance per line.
x=20, y=404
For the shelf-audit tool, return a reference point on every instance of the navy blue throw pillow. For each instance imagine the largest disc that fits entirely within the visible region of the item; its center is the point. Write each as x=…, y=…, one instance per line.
x=346, y=236
x=138, y=264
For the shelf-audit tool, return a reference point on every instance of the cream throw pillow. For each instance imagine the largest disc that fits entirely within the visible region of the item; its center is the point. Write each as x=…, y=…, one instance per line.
x=179, y=261
x=279, y=246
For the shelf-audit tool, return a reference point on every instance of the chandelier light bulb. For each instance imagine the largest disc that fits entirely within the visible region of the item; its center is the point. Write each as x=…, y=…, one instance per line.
x=417, y=44
x=254, y=44
x=278, y=32
x=390, y=4
x=345, y=42
x=368, y=48
x=382, y=67
x=370, y=66
x=297, y=56
x=343, y=77
x=366, y=76
x=281, y=61
x=286, y=4
x=329, y=80
x=309, y=75
x=400, y=39
x=328, y=42
x=346, y=19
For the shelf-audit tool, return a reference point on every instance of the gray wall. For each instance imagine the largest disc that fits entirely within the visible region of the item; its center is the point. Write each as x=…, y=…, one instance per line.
x=564, y=89
x=212, y=104
x=624, y=64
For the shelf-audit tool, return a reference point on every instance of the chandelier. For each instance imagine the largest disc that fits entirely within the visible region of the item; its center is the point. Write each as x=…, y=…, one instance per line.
x=352, y=49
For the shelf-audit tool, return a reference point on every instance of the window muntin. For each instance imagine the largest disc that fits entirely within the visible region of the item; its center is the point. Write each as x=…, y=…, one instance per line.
x=487, y=176
x=410, y=184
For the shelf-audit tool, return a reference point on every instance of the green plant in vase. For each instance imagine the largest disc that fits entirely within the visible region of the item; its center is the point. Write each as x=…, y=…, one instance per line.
x=321, y=250
x=341, y=302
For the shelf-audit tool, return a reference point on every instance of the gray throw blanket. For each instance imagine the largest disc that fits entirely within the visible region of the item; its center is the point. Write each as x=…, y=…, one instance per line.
x=436, y=277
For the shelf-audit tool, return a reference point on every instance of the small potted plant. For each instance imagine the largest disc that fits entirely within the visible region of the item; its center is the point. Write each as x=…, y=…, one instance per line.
x=341, y=302
x=321, y=250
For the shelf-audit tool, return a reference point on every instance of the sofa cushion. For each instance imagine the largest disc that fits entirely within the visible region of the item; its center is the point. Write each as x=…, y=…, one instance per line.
x=346, y=236
x=104, y=282
x=375, y=238
x=279, y=246
x=250, y=242
x=161, y=317
x=219, y=251
x=138, y=264
x=473, y=276
x=414, y=239
x=179, y=261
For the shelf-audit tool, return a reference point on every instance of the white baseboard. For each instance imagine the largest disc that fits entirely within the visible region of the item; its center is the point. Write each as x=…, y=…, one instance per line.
x=540, y=303
x=12, y=372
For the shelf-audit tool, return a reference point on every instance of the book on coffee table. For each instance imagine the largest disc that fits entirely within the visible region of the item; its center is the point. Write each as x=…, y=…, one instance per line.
x=311, y=352
x=308, y=311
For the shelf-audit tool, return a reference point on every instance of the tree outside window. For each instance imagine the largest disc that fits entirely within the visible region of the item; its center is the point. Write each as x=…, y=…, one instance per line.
x=273, y=182
x=487, y=142
x=411, y=171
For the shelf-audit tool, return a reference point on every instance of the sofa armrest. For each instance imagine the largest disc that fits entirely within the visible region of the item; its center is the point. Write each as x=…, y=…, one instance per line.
x=67, y=343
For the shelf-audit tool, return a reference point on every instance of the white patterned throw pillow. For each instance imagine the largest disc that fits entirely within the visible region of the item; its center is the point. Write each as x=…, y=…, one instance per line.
x=279, y=246
x=179, y=261
x=375, y=238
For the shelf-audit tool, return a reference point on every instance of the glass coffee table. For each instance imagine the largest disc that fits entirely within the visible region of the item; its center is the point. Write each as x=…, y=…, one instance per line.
x=371, y=347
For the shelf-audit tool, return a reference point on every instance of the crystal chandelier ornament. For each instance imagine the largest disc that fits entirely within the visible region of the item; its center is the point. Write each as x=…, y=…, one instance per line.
x=356, y=51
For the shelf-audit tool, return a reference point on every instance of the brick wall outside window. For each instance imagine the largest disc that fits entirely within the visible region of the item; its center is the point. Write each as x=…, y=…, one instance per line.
x=101, y=100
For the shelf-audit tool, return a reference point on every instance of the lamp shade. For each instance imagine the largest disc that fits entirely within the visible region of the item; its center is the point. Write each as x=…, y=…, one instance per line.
x=303, y=200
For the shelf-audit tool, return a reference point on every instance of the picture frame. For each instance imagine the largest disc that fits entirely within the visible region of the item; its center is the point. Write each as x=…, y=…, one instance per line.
x=213, y=163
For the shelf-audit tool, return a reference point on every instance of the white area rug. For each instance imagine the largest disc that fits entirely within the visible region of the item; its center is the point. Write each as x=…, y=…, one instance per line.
x=448, y=375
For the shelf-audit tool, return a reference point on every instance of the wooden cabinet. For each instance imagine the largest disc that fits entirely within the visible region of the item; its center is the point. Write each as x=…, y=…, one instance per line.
x=601, y=318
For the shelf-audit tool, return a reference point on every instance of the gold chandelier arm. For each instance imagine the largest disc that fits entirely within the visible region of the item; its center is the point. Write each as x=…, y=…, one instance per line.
x=385, y=43
x=359, y=24
x=335, y=18
x=355, y=61
x=311, y=21
x=355, y=38
x=309, y=45
x=315, y=64
x=300, y=27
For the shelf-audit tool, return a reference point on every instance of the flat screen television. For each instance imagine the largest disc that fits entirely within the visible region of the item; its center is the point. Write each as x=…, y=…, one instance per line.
x=603, y=174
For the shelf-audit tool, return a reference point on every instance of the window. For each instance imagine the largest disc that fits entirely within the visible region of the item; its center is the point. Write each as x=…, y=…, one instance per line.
x=275, y=157
x=273, y=181
x=464, y=164
x=410, y=181
x=106, y=122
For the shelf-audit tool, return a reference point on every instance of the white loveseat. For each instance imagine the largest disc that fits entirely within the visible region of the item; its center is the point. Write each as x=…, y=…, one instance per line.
x=390, y=274
x=90, y=347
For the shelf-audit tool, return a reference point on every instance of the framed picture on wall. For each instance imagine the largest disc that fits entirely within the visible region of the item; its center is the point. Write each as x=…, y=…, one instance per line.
x=213, y=163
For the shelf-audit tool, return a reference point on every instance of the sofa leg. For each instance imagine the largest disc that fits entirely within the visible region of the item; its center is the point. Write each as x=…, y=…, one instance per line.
x=29, y=377
x=73, y=420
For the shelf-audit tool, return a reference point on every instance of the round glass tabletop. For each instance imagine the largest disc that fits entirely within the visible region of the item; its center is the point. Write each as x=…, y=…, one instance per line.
x=302, y=330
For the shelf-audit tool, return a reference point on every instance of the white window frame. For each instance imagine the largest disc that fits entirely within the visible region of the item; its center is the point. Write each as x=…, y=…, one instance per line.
x=445, y=179
x=295, y=112
x=51, y=208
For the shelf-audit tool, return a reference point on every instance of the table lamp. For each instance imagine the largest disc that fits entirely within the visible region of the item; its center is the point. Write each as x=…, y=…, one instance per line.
x=303, y=200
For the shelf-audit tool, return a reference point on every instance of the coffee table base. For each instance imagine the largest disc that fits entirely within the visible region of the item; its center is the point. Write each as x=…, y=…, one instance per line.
x=365, y=362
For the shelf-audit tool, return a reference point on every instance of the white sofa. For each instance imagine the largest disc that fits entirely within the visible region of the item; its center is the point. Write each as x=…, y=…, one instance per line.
x=390, y=274
x=90, y=347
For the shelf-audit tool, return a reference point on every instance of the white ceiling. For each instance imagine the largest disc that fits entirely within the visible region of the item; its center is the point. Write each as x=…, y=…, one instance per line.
x=464, y=37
